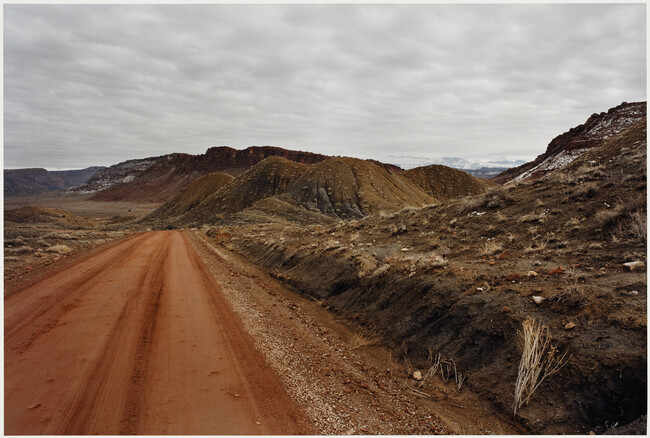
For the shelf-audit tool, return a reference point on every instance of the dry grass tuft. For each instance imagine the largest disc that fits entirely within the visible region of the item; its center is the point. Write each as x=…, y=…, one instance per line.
x=359, y=340
x=491, y=247
x=539, y=360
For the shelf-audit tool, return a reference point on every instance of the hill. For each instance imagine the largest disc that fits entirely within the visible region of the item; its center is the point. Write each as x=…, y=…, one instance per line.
x=454, y=284
x=265, y=179
x=349, y=188
x=36, y=180
x=191, y=196
x=443, y=182
x=568, y=146
x=158, y=179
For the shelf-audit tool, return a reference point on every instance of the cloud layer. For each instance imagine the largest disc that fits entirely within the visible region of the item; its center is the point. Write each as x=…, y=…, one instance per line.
x=98, y=84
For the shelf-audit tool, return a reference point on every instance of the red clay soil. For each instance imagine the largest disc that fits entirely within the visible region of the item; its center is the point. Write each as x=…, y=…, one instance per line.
x=136, y=339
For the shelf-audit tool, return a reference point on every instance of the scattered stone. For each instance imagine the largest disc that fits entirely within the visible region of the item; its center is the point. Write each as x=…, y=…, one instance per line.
x=538, y=300
x=558, y=270
x=633, y=266
x=532, y=274
x=417, y=375
x=633, y=293
x=537, y=263
x=405, y=249
x=506, y=309
x=569, y=326
x=503, y=255
x=515, y=276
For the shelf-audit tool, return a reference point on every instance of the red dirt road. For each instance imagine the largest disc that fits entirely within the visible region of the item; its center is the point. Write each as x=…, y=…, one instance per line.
x=136, y=339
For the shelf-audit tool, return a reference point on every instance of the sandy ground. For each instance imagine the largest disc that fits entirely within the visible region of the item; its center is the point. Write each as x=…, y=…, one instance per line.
x=80, y=204
x=162, y=333
x=136, y=339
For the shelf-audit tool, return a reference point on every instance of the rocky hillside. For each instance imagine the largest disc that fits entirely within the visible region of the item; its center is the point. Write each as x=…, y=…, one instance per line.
x=265, y=179
x=36, y=180
x=191, y=196
x=334, y=189
x=349, y=188
x=449, y=287
x=160, y=178
x=568, y=146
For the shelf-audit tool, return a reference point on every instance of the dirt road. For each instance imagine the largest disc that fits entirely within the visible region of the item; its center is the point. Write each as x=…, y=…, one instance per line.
x=136, y=339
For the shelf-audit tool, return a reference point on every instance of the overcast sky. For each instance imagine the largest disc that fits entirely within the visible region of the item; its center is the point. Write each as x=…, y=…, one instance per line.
x=98, y=84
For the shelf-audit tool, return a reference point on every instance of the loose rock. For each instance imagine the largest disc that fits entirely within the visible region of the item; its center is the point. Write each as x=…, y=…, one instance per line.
x=634, y=266
x=417, y=375
x=569, y=326
x=538, y=300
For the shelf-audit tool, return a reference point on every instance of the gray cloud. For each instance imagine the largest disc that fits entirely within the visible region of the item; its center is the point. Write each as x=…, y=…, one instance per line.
x=98, y=84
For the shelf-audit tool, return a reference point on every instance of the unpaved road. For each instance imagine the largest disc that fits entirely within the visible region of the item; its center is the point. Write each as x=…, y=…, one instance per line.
x=136, y=339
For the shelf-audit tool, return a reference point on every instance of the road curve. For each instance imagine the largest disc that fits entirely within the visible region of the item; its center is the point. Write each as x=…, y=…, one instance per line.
x=136, y=339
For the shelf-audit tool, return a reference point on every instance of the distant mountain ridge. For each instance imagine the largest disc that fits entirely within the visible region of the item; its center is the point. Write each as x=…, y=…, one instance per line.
x=37, y=180
x=467, y=164
x=158, y=179
x=566, y=147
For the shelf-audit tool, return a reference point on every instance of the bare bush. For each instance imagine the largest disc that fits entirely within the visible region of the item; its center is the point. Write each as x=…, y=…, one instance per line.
x=59, y=249
x=491, y=247
x=359, y=340
x=539, y=360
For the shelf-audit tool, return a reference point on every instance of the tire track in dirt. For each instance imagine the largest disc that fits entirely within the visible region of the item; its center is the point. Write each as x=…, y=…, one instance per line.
x=137, y=341
x=48, y=309
x=123, y=358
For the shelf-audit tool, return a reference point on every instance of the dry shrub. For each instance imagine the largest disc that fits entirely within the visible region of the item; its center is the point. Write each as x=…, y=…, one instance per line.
x=471, y=203
x=572, y=293
x=24, y=249
x=59, y=249
x=491, y=247
x=623, y=222
x=584, y=191
x=609, y=217
x=633, y=227
x=359, y=340
x=539, y=360
x=496, y=197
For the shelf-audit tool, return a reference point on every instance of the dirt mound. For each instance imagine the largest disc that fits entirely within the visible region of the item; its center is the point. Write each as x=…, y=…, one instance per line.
x=349, y=188
x=566, y=147
x=456, y=281
x=45, y=215
x=190, y=196
x=443, y=182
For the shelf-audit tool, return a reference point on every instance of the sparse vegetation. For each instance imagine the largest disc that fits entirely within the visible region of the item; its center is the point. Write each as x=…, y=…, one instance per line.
x=539, y=360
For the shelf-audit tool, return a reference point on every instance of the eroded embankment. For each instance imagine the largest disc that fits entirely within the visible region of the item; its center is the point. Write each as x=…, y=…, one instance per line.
x=423, y=308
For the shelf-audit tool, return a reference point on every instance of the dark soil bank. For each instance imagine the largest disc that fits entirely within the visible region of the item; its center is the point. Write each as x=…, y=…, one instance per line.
x=458, y=280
